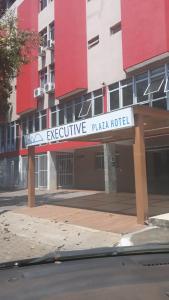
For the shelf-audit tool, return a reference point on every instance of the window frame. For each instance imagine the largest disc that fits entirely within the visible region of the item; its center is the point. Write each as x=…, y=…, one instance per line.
x=44, y=36
x=166, y=83
x=154, y=91
x=115, y=28
x=43, y=77
x=43, y=4
x=52, y=31
x=93, y=41
x=82, y=107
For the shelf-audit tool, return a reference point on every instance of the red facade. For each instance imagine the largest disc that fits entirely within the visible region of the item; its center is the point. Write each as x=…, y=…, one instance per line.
x=27, y=80
x=70, y=47
x=145, y=30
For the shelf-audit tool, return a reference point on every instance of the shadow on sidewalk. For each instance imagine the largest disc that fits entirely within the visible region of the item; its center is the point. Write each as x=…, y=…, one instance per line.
x=120, y=203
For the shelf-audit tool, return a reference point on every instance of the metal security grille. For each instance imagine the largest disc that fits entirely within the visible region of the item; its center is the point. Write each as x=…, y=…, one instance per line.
x=64, y=163
x=41, y=171
x=9, y=172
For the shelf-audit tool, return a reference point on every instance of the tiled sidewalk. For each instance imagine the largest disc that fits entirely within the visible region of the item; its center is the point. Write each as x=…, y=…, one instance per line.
x=114, y=212
x=105, y=221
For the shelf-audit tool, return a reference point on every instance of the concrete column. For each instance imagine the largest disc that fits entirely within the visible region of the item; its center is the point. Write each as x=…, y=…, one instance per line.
x=31, y=176
x=52, y=172
x=110, y=168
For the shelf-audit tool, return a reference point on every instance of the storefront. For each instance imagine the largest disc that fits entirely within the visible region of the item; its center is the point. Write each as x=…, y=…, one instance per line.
x=133, y=125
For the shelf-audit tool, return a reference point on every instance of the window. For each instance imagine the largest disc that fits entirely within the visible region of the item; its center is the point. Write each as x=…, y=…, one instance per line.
x=37, y=122
x=52, y=53
x=43, y=4
x=146, y=87
x=69, y=112
x=99, y=160
x=61, y=114
x=114, y=96
x=53, y=116
x=86, y=104
x=127, y=92
x=43, y=77
x=158, y=75
x=98, y=102
x=93, y=42
x=52, y=31
x=141, y=84
x=52, y=73
x=24, y=131
x=154, y=86
x=30, y=124
x=9, y=3
x=43, y=117
x=161, y=104
x=44, y=37
x=13, y=137
x=9, y=136
x=166, y=89
x=17, y=134
x=78, y=106
x=115, y=28
x=85, y=109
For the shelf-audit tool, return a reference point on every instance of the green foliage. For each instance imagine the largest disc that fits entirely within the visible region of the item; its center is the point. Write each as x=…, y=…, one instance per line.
x=17, y=47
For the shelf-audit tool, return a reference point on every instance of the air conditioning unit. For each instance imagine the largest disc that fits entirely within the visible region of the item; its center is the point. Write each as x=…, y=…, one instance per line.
x=42, y=51
x=50, y=45
x=57, y=101
x=49, y=87
x=39, y=92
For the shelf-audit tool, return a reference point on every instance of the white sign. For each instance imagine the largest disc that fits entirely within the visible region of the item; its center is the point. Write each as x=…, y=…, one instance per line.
x=118, y=119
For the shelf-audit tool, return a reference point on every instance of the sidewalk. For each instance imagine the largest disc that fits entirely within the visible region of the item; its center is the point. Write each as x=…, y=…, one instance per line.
x=102, y=221
x=23, y=236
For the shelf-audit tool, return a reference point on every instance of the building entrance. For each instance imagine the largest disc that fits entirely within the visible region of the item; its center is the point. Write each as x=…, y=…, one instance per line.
x=158, y=171
x=65, y=169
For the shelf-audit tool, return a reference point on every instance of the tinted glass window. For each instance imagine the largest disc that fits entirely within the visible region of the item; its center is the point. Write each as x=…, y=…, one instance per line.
x=127, y=95
x=140, y=89
x=114, y=100
x=98, y=105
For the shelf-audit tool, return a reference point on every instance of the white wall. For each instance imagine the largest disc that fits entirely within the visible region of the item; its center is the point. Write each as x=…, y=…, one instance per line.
x=46, y=16
x=105, y=59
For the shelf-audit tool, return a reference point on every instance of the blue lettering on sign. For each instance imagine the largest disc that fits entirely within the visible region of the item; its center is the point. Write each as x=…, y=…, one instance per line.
x=80, y=128
x=123, y=121
x=84, y=127
x=56, y=134
x=48, y=135
x=61, y=134
x=94, y=127
x=67, y=131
